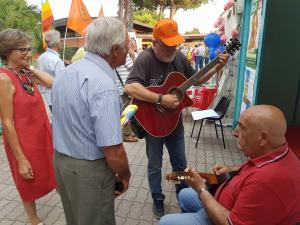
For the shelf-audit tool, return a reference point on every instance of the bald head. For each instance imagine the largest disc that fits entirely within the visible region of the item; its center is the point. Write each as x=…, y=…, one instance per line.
x=268, y=121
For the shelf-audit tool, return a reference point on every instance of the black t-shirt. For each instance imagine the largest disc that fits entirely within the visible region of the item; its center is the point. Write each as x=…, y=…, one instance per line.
x=149, y=71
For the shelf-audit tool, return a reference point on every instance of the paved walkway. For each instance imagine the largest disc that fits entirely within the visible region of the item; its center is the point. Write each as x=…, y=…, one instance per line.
x=135, y=206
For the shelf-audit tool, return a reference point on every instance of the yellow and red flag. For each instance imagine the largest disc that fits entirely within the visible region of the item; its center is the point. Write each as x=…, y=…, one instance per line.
x=47, y=16
x=79, y=17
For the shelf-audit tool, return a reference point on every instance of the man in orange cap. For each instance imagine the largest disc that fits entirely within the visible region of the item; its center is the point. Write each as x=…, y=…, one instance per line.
x=151, y=69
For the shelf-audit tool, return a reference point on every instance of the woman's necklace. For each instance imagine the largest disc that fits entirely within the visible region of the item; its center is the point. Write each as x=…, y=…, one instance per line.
x=27, y=85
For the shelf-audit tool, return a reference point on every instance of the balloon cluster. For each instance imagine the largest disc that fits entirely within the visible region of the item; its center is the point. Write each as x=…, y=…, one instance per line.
x=220, y=24
x=228, y=5
x=213, y=41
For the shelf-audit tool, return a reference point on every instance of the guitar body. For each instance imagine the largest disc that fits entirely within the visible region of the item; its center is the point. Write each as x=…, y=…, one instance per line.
x=161, y=123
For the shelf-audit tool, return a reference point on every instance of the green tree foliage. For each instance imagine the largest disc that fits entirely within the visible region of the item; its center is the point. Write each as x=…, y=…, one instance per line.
x=145, y=4
x=173, y=5
x=17, y=14
x=194, y=31
x=146, y=16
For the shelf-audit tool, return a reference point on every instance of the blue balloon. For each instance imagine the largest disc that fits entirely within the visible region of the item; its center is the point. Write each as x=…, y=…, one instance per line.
x=218, y=50
x=211, y=53
x=212, y=40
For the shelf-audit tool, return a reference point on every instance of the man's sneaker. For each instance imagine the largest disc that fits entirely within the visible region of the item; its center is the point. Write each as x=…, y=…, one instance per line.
x=158, y=208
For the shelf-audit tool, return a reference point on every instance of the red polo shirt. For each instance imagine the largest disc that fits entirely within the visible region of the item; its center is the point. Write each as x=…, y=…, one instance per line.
x=265, y=192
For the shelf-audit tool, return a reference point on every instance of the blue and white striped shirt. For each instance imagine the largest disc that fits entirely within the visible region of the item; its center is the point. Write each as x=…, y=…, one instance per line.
x=49, y=62
x=124, y=71
x=86, y=109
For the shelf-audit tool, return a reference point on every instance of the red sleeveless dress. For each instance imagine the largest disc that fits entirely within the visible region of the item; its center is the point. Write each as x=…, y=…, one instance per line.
x=35, y=137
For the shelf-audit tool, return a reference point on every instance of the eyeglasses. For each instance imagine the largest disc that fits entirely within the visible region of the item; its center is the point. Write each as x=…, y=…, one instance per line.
x=24, y=51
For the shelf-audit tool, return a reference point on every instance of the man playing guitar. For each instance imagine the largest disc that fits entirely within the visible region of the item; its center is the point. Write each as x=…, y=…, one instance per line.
x=151, y=69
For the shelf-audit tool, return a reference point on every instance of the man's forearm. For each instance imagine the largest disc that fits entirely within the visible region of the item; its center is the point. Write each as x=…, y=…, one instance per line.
x=138, y=91
x=216, y=212
x=117, y=160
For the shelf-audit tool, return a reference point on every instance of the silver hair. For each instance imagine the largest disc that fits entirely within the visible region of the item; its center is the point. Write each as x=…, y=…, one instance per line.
x=103, y=33
x=52, y=38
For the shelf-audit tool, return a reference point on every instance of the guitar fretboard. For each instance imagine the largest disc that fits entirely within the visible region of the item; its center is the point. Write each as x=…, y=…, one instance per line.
x=197, y=76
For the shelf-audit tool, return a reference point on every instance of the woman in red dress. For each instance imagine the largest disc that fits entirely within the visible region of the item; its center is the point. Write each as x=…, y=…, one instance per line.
x=26, y=129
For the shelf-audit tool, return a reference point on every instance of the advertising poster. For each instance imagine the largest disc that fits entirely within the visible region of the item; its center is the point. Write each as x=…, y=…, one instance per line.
x=251, y=56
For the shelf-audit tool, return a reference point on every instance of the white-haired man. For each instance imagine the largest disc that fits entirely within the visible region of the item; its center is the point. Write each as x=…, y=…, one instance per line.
x=89, y=155
x=50, y=61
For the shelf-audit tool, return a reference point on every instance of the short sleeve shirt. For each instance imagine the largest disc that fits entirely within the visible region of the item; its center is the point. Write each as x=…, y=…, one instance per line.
x=51, y=63
x=149, y=71
x=86, y=109
x=266, y=191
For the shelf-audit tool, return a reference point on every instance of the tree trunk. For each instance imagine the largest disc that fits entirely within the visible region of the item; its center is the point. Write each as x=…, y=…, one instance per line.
x=171, y=9
x=121, y=8
x=161, y=9
x=125, y=20
x=130, y=15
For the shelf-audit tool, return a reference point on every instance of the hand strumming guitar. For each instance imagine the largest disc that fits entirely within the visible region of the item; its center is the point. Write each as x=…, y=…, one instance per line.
x=220, y=169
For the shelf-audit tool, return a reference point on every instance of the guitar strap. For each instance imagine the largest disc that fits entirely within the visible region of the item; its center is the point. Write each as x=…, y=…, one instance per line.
x=120, y=79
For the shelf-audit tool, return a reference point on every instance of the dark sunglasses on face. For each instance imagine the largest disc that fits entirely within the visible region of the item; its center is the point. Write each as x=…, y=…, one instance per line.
x=24, y=51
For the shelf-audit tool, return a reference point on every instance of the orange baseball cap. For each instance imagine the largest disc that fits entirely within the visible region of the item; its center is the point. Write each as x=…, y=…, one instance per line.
x=166, y=30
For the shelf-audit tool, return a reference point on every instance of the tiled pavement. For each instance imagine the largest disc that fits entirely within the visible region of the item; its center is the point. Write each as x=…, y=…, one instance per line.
x=135, y=206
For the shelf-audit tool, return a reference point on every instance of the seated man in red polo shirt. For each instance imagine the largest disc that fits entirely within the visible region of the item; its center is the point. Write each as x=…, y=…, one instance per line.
x=266, y=190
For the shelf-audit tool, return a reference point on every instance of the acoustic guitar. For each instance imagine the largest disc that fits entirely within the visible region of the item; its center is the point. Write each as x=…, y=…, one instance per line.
x=159, y=121
x=212, y=181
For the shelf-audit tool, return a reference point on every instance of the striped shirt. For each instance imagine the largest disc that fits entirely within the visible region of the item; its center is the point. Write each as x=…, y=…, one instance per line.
x=86, y=109
x=124, y=71
x=49, y=62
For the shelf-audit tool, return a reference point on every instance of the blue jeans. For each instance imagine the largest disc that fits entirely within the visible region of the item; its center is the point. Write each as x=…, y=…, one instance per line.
x=198, y=62
x=154, y=149
x=206, y=60
x=193, y=208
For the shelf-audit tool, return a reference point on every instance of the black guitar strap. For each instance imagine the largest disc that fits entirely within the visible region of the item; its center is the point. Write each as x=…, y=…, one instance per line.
x=120, y=79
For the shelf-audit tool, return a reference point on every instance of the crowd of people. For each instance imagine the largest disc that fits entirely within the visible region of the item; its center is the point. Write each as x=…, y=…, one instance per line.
x=197, y=56
x=82, y=154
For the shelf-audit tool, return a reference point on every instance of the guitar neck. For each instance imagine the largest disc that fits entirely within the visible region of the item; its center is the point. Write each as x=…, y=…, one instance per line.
x=178, y=176
x=199, y=77
x=210, y=178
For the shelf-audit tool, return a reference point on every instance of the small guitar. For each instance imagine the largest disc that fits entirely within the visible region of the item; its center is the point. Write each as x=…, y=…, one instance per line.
x=159, y=121
x=212, y=181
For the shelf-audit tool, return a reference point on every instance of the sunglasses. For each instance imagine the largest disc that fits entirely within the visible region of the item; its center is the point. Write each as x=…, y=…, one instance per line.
x=24, y=51
x=27, y=85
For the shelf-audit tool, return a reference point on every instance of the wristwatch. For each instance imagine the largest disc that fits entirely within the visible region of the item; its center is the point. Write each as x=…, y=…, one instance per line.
x=201, y=190
x=159, y=99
